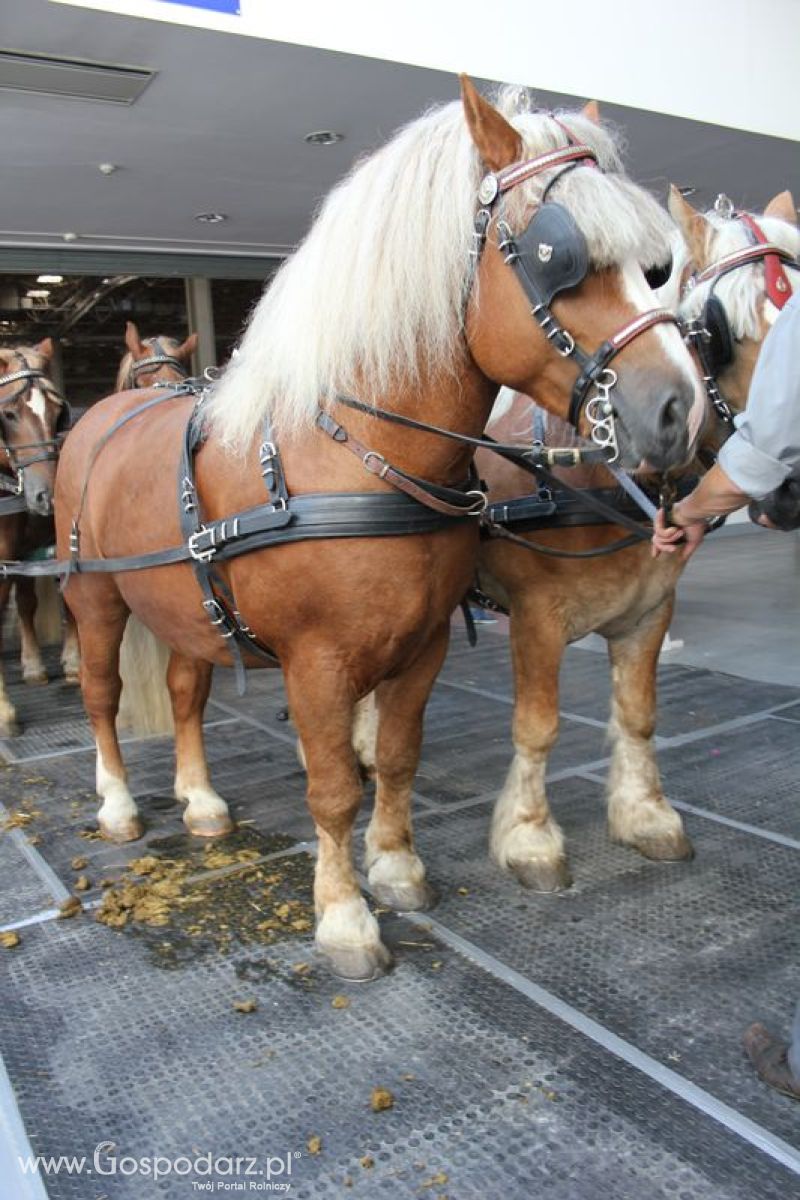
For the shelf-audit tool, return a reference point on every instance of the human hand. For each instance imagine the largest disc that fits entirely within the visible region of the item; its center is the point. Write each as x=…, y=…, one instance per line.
x=669, y=538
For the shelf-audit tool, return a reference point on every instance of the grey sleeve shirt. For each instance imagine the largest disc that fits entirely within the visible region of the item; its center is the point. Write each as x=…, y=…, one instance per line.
x=765, y=449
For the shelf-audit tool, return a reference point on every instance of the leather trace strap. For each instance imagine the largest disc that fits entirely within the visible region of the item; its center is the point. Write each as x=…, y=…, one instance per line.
x=453, y=502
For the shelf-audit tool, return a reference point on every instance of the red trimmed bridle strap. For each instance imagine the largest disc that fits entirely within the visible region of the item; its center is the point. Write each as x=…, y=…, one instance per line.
x=777, y=285
x=509, y=177
x=740, y=258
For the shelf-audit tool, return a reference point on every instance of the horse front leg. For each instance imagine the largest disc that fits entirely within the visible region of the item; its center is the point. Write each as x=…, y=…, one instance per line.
x=525, y=839
x=396, y=873
x=638, y=814
x=101, y=635
x=33, y=670
x=189, y=682
x=8, y=715
x=322, y=707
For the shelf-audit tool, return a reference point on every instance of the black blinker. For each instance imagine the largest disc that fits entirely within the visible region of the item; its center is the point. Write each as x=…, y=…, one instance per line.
x=553, y=251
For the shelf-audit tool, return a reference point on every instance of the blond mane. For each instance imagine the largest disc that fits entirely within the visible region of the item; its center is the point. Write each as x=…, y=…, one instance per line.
x=378, y=286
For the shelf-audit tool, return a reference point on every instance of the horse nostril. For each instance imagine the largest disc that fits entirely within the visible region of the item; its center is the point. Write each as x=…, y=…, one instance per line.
x=672, y=414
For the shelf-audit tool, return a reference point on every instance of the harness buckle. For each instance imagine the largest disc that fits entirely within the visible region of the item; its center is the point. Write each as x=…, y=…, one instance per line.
x=20, y=481
x=380, y=471
x=479, y=505
x=218, y=617
x=200, y=553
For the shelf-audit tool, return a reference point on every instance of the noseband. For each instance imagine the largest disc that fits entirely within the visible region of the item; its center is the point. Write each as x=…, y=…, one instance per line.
x=159, y=358
x=551, y=256
x=48, y=447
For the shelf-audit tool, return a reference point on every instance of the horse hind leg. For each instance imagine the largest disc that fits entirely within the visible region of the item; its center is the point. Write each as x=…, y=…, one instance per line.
x=525, y=839
x=189, y=682
x=396, y=872
x=33, y=670
x=347, y=934
x=638, y=813
x=8, y=715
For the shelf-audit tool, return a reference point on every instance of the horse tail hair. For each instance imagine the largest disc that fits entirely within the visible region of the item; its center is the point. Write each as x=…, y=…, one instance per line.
x=145, y=708
x=49, y=620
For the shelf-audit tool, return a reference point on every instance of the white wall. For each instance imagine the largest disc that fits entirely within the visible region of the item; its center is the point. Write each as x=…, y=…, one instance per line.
x=728, y=62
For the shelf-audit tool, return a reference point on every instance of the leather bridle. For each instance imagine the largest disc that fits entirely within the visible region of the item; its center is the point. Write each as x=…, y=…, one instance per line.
x=553, y=232
x=698, y=332
x=47, y=448
x=159, y=358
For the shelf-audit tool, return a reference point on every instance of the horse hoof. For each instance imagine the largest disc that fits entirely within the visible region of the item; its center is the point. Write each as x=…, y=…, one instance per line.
x=357, y=964
x=127, y=831
x=35, y=680
x=210, y=827
x=676, y=847
x=406, y=897
x=543, y=877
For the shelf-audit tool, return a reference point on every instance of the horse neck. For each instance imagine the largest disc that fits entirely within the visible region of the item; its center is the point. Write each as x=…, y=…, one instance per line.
x=459, y=401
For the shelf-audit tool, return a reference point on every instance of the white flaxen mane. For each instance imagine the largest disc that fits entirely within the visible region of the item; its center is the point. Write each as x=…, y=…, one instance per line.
x=742, y=292
x=376, y=292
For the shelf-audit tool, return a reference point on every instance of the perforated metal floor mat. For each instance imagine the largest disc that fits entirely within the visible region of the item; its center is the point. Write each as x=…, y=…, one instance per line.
x=493, y=1096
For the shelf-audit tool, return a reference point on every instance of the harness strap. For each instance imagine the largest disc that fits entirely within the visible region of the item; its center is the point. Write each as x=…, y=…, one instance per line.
x=453, y=502
x=538, y=455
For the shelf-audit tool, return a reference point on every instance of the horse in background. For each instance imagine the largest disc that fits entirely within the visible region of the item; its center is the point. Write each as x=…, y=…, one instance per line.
x=153, y=360
x=42, y=618
x=379, y=304
x=626, y=597
x=33, y=418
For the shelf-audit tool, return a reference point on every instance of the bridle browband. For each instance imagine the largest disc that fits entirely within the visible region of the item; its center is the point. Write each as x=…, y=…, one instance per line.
x=160, y=358
x=553, y=231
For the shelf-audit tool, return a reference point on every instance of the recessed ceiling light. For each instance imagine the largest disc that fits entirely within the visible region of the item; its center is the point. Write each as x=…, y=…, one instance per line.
x=49, y=278
x=38, y=293
x=211, y=218
x=323, y=137
x=107, y=168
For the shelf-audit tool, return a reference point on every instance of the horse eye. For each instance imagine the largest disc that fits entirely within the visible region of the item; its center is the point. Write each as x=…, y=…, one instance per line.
x=10, y=416
x=657, y=276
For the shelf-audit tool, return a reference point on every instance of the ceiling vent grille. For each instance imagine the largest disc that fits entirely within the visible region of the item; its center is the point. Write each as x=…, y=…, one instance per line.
x=75, y=77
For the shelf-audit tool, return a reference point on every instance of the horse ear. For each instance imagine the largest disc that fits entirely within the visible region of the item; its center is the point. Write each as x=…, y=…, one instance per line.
x=46, y=348
x=133, y=341
x=187, y=348
x=591, y=111
x=497, y=142
x=692, y=224
x=782, y=206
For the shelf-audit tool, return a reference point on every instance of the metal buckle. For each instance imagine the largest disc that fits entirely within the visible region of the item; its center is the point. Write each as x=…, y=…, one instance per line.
x=20, y=481
x=379, y=458
x=478, y=508
x=266, y=452
x=218, y=617
x=197, y=553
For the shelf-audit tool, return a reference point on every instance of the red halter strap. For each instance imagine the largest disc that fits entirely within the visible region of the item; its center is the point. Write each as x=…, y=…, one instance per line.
x=777, y=285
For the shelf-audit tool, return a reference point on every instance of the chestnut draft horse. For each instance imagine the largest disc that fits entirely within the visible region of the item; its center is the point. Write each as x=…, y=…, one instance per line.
x=33, y=416
x=626, y=596
x=382, y=315
x=145, y=362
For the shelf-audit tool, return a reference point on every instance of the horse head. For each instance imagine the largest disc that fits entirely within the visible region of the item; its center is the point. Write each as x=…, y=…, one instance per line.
x=560, y=306
x=153, y=360
x=32, y=416
x=738, y=277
